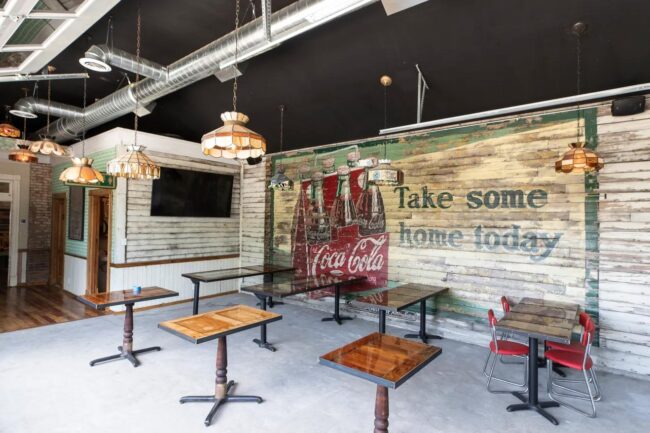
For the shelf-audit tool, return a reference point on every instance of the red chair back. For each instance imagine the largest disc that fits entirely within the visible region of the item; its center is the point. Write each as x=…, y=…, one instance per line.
x=588, y=335
x=505, y=304
x=583, y=319
x=492, y=318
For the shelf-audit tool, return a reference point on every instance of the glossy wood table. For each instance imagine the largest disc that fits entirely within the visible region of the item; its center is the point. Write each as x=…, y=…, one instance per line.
x=231, y=274
x=538, y=319
x=385, y=360
x=400, y=298
x=218, y=325
x=296, y=286
x=126, y=298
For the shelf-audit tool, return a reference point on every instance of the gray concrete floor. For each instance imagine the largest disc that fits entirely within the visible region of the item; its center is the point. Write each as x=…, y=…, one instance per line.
x=47, y=385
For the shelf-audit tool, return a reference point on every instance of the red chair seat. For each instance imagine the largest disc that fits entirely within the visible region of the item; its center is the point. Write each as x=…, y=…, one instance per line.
x=575, y=346
x=509, y=348
x=569, y=359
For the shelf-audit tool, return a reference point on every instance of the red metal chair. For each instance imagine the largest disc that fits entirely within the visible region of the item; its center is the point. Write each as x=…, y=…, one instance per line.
x=505, y=304
x=575, y=346
x=580, y=361
x=499, y=348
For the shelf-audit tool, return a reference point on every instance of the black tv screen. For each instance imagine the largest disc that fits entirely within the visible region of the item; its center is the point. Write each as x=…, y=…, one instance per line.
x=184, y=193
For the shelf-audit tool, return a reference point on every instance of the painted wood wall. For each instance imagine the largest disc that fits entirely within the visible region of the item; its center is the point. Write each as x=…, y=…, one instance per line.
x=158, y=238
x=599, y=262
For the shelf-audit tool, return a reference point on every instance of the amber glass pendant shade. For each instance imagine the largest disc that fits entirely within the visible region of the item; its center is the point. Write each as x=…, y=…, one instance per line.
x=134, y=164
x=23, y=154
x=9, y=130
x=233, y=140
x=81, y=172
x=385, y=175
x=46, y=146
x=579, y=159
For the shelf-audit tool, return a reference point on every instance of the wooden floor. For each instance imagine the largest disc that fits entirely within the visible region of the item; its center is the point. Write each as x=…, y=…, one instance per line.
x=29, y=307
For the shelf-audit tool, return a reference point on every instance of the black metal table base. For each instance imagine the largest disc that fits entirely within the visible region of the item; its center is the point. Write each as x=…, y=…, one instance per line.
x=129, y=355
x=270, y=303
x=422, y=334
x=218, y=402
x=336, y=317
x=261, y=342
x=531, y=401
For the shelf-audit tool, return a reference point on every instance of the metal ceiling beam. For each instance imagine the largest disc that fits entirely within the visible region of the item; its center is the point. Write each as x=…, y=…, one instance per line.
x=12, y=17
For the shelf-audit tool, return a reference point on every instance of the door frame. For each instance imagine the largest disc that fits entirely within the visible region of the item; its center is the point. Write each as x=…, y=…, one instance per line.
x=63, y=234
x=92, y=256
x=14, y=223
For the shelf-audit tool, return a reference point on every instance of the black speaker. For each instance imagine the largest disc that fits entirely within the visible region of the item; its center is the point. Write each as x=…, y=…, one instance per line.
x=254, y=161
x=628, y=105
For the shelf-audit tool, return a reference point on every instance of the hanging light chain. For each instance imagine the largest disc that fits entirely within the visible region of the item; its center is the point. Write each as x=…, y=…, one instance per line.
x=83, y=120
x=49, y=97
x=137, y=75
x=281, y=127
x=234, y=84
x=385, y=118
x=578, y=76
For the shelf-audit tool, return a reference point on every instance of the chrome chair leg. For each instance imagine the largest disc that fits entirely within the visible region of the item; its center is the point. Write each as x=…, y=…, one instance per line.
x=588, y=396
x=491, y=378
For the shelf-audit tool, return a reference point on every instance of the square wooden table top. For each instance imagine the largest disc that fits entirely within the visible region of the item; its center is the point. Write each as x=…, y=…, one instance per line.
x=219, y=323
x=383, y=359
x=234, y=273
x=400, y=297
x=121, y=297
x=539, y=318
x=282, y=289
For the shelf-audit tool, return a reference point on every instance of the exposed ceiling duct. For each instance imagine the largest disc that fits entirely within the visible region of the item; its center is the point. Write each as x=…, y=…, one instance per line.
x=100, y=58
x=29, y=107
x=286, y=23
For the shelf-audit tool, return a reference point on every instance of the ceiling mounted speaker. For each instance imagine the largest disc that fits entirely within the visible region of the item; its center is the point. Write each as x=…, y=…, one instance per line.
x=394, y=6
x=628, y=105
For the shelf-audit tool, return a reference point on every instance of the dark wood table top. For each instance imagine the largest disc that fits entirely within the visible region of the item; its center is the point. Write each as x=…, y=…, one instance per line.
x=400, y=297
x=121, y=297
x=383, y=359
x=234, y=273
x=295, y=286
x=538, y=318
x=218, y=323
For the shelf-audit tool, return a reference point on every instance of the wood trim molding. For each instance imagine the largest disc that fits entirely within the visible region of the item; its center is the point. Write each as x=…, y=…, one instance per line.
x=76, y=256
x=172, y=261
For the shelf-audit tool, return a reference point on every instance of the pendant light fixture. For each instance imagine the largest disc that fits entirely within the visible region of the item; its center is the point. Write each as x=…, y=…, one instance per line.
x=234, y=140
x=579, y=159
x=82, y=170
x=6, y=128
x=280, y=181
x=134, y=164
x=46, y=145
x=384, y=174
x=22, y=152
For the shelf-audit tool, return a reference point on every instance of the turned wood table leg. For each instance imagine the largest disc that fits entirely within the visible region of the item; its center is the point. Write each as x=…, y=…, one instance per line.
x=221, y=382
x=127, y=341
x=381, y=410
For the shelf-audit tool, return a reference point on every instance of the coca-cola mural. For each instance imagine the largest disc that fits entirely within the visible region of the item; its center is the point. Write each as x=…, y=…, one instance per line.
x=339, y=223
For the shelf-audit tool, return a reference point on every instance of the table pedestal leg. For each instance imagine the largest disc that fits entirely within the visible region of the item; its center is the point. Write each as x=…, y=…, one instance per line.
x=126, y=349
x=222, y=387
x=261, y=342
x=336, y=317
x=268, y=278
x=422, y=335
x=381, y=410
x=532, y=402
x=195, y=302
x=382, y=321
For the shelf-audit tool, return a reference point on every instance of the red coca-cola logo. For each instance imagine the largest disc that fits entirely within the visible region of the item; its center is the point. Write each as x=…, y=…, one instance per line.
x=367, y=255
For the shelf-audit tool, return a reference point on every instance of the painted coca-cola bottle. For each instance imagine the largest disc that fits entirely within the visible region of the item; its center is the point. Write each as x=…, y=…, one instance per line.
x=343, y=212
x=318, y=227
x=371, y=215
x=353, y=159
x=299, y=248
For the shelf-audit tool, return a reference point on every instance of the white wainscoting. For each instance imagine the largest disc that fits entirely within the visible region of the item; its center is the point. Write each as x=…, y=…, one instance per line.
x=169, y=277
x=74, y=275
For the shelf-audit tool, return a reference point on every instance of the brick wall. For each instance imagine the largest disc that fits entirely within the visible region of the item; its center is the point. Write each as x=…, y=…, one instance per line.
x=40, y=212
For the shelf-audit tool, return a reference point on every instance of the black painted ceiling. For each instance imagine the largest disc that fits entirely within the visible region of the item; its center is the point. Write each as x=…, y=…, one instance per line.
x=475, y=54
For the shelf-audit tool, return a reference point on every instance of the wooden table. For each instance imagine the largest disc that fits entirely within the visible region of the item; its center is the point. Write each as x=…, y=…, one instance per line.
x=538, y=319
x=400, y=298
x=218, y=325
x=231, y=274
x=126, y=298
x=296, y=286
x=385, y=360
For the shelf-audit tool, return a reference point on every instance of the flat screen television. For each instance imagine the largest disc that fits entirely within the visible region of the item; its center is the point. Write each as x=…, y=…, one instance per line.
x=185, y=193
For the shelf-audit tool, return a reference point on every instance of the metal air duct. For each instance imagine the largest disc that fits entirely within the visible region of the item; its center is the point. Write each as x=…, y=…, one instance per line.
x=28, y=107
x=99, y=58
x=286, y=23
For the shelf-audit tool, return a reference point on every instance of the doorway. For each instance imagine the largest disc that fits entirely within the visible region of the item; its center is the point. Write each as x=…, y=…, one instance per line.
x=5, y=220
x=99, y=241
x=9, y=208
x=57, y=250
